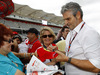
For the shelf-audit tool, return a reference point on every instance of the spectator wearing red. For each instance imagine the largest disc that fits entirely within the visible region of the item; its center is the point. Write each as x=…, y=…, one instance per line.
x=33, y=42
x=44, y=53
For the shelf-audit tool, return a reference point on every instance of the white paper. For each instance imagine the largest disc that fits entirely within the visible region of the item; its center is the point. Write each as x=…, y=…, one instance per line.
x=45, y=73
x=36, y=67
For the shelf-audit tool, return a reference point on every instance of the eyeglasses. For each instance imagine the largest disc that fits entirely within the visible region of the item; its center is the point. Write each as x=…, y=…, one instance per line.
x=45, y=36
x=9, y=41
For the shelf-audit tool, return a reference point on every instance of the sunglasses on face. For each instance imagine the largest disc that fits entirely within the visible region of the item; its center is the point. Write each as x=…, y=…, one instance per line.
x=45, y=36
x=9, y=41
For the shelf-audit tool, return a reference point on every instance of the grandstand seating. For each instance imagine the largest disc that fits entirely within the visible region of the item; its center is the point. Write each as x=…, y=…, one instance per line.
x=24, y=26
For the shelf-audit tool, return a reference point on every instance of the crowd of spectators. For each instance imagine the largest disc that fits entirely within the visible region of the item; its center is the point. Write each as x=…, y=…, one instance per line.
x=74, y=44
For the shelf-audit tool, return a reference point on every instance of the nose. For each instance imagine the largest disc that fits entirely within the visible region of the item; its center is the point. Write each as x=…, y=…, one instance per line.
x=66, y=22
x=47, y=36
x=11, y=43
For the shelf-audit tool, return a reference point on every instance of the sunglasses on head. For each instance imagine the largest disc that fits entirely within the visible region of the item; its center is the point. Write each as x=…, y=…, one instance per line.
x=45, y=36
x=9, y=41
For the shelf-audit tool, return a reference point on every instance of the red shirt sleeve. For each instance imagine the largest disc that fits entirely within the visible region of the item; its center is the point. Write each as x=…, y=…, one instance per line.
x=43, y=54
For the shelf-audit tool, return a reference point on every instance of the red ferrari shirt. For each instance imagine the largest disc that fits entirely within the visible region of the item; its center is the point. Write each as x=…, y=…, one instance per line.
x=33, y=45
x=44, y=54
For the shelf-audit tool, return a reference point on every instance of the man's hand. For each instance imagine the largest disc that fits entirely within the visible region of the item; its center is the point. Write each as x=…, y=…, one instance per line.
x=61, y=57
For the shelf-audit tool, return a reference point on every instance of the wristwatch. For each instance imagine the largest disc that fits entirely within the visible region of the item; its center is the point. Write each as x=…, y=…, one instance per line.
x=69, y=60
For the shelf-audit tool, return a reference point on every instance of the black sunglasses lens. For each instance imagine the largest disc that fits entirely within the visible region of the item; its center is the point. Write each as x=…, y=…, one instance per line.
x=50, y=35
x=44, y=36
x=10, y=40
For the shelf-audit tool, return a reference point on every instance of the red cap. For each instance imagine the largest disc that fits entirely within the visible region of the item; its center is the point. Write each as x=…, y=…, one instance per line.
x=15, y=33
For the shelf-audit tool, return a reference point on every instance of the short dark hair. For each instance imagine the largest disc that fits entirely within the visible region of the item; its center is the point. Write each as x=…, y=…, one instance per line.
x=33, y=30
x=63, y=28
x=17, y=36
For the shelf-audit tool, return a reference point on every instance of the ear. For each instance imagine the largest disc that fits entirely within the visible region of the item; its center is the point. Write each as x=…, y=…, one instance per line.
x=78, y=15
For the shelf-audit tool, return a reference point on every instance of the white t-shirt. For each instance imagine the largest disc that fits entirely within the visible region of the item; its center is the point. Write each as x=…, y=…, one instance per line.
x=85, y=46
x=23, y=48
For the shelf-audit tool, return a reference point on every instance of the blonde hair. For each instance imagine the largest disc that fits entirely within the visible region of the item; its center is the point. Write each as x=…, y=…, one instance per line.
x=46, y=29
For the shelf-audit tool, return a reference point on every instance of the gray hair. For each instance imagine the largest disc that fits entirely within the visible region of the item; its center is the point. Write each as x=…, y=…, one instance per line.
x=74, y=7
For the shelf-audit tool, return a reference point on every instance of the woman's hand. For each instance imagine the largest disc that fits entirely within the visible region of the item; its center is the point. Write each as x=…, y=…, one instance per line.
x=52, y=48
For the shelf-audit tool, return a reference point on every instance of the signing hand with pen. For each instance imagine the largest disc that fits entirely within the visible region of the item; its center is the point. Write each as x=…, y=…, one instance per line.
x=52, y=48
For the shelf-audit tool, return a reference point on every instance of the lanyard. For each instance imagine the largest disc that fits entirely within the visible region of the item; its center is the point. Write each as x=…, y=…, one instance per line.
x=30, y=45
x=45, y=48
x=70, y=42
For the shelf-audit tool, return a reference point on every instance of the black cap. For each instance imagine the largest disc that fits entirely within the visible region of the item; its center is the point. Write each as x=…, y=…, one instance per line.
x=33, y=30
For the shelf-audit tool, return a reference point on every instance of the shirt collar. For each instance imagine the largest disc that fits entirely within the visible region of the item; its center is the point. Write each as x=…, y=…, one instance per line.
x=33, y=41
x=77, y=28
